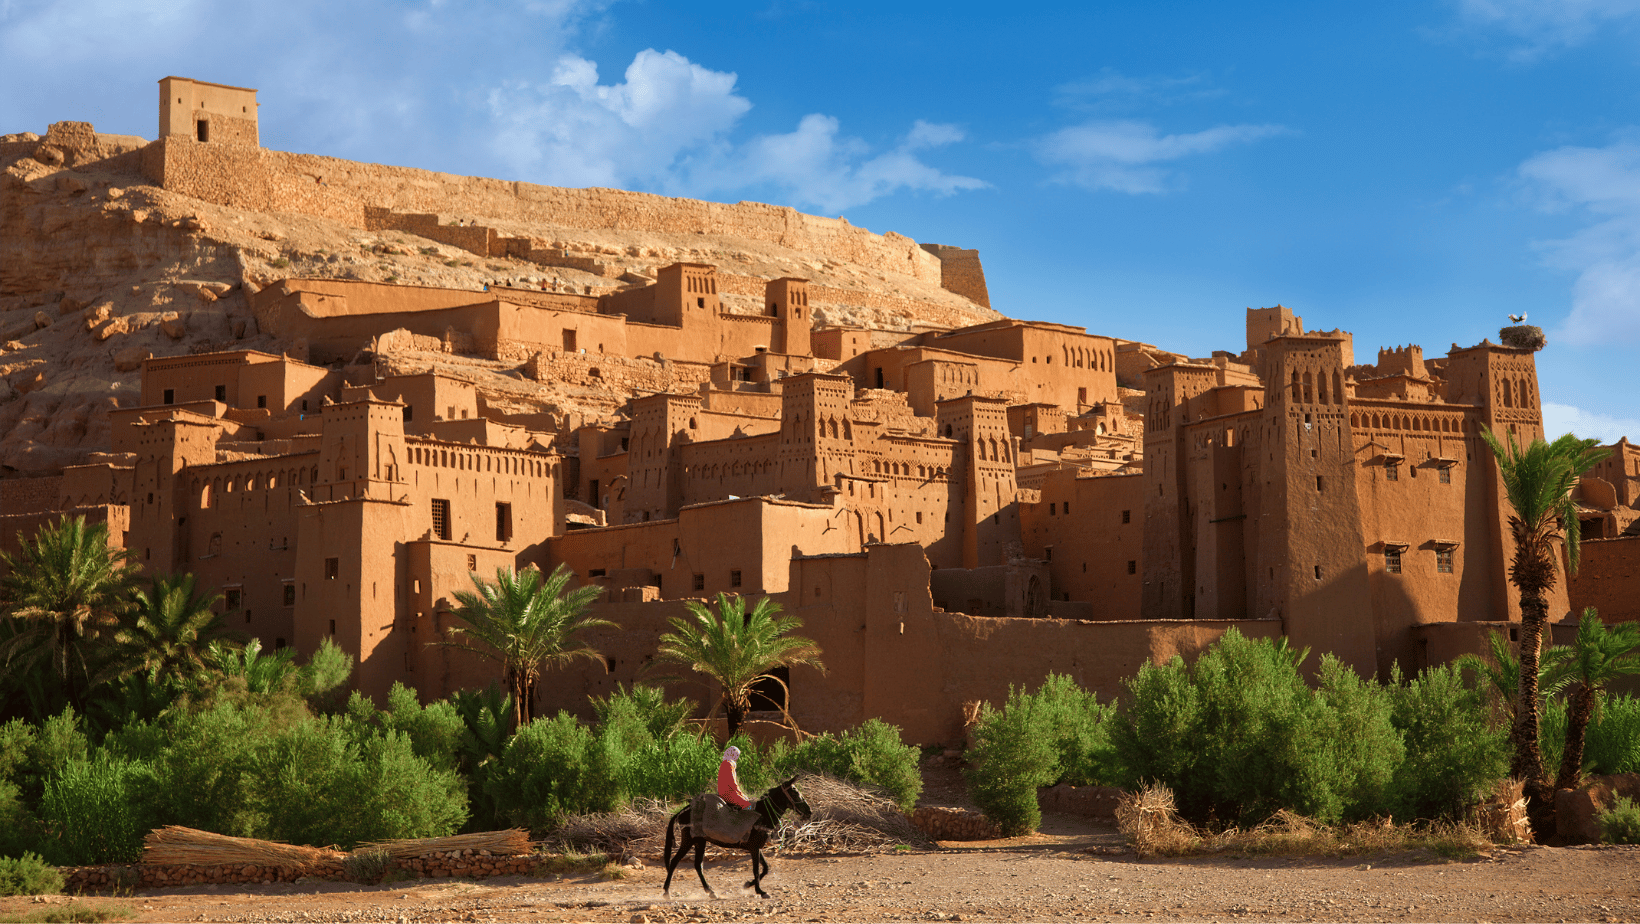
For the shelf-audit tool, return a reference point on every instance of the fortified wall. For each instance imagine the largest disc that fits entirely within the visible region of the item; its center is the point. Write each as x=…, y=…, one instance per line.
x=253, y=178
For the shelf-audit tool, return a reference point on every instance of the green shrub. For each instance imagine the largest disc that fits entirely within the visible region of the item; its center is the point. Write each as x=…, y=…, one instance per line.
x=58, y=742
x=1455, y=753
x=1612, y=744
x=18, y=827
x=1240, y=735
x=1077, y=726
x=1620, y=824
x=1552, y=721
x=313, y=784
x=648, y=706
x=871, y=754
x=29, y=875
x=16, y=740
x=672, y=769
x=95, y=811
x=1364, y=746
x=551, y=768
x=367, y=867
x=1013, y=755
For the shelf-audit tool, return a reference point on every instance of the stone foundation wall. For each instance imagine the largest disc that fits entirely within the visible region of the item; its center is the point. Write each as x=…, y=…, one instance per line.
x=454, y=864
x=30, y=495
x=954, y=824
x=961, y=272
x=602, y=370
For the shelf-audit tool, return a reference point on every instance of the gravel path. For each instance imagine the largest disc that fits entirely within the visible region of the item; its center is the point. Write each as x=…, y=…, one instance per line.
x=1046, y=877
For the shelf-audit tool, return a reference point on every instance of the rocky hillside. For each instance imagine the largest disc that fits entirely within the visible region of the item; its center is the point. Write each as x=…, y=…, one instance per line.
x=100, y=268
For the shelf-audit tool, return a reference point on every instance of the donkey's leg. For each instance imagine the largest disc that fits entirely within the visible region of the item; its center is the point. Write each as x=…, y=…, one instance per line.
x=757, y=873
x=672, y=859
x=700, y=854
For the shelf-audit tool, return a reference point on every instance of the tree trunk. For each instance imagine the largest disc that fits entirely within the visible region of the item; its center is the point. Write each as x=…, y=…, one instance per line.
x=736, y=716
x=1527, y=764
x=1528, y=761
x=519, y=683
x=1577, y=726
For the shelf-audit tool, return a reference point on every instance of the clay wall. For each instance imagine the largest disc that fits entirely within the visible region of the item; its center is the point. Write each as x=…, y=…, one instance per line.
x=958, y=658
x=229, y=113
x=29, y=495
x=1608, y=579
x=839, y=343
x=738, y=546
x=961, y=272
x=1090, y=531
x=15, y=528
x=272, y=181
x=1057, y=364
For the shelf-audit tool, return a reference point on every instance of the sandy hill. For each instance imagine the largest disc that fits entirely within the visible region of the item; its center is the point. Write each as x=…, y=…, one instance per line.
x=113, y=249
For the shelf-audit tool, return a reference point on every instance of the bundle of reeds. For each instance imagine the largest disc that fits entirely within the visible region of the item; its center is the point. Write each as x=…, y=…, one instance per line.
x=175, y=845
x=509, y=843
x=1151, y=824
x=847, y=817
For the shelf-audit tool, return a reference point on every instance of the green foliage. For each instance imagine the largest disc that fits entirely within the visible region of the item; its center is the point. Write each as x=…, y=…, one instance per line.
x=94, y=812
x=1240, y=735
x=737, y=647
x=29, y=875
x=871, y=754
x=670, y=769
x=168, y=628
x=1552, y=722
x=18, y=827
x=319, y=680
x=551, y=768
x=435, y=730
x=1620, y=824
x=1614, y=736
x=525, y=622
x=1454, y=753
x=649, y=705
x=16, y=738
x=487, y=719
x=1013, y=755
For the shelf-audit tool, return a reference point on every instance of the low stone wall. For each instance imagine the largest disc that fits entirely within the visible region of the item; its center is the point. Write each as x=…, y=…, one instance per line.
x=1091, y=801
x=941, y=823
x=453, y=864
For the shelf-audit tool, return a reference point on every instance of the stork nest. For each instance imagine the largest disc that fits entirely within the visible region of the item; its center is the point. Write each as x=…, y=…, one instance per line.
x=1524, y=337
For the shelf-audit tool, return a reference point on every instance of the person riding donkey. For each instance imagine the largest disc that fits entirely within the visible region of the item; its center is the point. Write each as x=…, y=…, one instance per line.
x=732, y=814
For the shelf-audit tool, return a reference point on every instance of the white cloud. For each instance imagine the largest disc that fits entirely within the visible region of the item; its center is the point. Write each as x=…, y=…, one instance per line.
x=1543, y=26
x=1564, y=418
x=815, y=166
x=668, y=127
x=1604, y=185
x=1129, y=156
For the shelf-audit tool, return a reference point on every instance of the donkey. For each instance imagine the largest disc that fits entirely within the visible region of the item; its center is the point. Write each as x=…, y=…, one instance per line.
x=774, y=804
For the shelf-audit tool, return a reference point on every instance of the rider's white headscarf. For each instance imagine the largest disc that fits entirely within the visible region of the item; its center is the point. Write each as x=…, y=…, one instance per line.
x=731, y=753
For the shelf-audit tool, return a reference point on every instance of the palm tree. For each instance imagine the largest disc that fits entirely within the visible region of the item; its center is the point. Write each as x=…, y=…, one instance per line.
x=61, y=591
x=525, y=624
x=1538, y=482
x=1599, y=656
x=262, y=673
x=168, y=628
x=1501, y=672
x=737, y=648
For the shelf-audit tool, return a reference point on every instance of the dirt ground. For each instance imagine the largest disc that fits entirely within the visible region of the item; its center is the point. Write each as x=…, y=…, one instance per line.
x=1050, y=876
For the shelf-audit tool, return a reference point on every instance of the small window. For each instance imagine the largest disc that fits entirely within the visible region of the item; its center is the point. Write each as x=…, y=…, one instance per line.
x=1133, y=567
x=441, y=519
x=279, y=643
x=596, y=573
x=1443, y=560
x=333, y=627
x=503, y=522
x=699, y=582
x=304, y=404
x=734, y=578
x=1047, y=553
x=409, y=413
x=1392, y=561
x=1392, y=471
x=290, y=594
x=231, y=598
x=1127, y=516
x=221, y=392
x=1053, y=509
x=1067, y=508
x=170, y=396
x=472, y=562
x=919, y=513
x=204, y=129
x=1318, y=572
x=1319, y=484
x=333, y=568
x=1446, y=474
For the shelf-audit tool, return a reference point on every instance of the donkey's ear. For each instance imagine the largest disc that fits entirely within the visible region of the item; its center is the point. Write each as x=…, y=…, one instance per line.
x=790, y=782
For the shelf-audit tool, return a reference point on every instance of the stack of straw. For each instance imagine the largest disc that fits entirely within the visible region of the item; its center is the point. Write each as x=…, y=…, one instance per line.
x=174, y=845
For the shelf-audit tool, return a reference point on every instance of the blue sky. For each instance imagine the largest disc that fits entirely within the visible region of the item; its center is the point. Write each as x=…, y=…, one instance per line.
x=1408, y=171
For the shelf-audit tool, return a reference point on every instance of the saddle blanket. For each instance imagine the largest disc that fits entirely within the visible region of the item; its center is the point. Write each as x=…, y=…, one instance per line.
x=717, y=820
